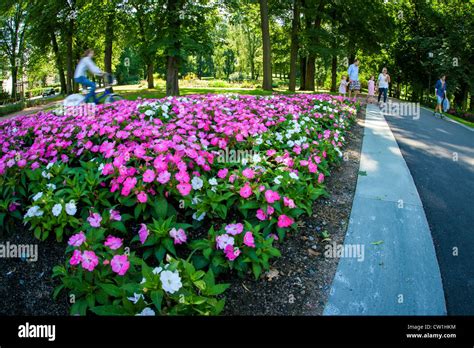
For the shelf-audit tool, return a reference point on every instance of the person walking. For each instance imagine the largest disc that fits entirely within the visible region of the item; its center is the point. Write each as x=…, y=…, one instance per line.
x=353, y=72
x=382, y=84
x=440, y=91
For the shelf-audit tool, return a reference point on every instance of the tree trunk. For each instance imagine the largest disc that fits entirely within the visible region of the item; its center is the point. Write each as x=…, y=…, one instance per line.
x=172, y=57
x=109, y=40
x=59, y=63
x=310, y=70
x=294, y=44
x=149, y=76
x=69, y=58
x=303, y=73
x=267, y=55
x=471, y=102
x=334, y=73
x=172, y=85
x=14, y=72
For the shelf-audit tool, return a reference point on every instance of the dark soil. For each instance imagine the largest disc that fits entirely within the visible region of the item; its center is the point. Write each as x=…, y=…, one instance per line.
x=298, y=282
x=26, y=286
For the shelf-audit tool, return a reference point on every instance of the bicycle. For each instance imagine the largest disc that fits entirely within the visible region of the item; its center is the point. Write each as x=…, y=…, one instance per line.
x=108, y=95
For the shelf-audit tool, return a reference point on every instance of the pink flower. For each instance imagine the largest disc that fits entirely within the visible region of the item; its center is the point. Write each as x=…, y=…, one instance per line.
x=143, y=233
x=94, y=219
x=313, y=168
x=120, y=264
x=224, y=240
x=231, y=253
x=77, y=239
x=222, y=173
x=76, y=258
x=270, y=210
x=285, y=221
x=113, y=242
x=261, y=215
x=179, y=236
x=271, y=152
x=164, y=177
x=149, y=175
x=115, y=215
x=108, y=169
x=248, y=173
x=271, y=196
x=245, y=191
x=234, y=229
x=142, y=197
x=320, y=177
x=89, y=260
x=184, y=188
x=249, y=240
x=288, y=202
x=274, y=236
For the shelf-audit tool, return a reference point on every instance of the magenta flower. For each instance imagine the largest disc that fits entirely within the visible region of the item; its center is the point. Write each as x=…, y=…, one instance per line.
x=234, y=229
x=143, y=233
x=271, y=196
x=94, y=219
x=231, y=253
x=249, y=240
x=142, y=197
x=179, y=236
x=285, y=221
x=113, y=242
x=76, y=258
x=320, y=177
x=77, y=239
x=89, y=260
x=164, y=177
x=184, y=189
x=288, y=202
x=261, y=215
x=120, y=264
x=222, y=173
x=248, y=173
x=245, y=191
x=148, y=176
x=115, y=215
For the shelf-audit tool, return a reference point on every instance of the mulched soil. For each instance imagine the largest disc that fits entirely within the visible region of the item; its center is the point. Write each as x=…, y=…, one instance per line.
x=298, y=283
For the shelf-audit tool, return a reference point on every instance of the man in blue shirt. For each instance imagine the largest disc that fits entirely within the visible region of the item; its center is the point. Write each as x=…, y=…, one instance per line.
x=353, y=72
x=440, y=91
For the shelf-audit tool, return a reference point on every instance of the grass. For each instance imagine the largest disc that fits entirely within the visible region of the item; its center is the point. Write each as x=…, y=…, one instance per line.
x=455, y=118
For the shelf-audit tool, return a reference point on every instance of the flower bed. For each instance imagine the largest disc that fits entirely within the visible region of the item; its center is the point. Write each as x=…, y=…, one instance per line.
x=156, y=198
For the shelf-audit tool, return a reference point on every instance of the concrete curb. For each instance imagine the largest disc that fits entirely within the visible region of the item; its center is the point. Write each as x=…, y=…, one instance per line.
x=399, y=273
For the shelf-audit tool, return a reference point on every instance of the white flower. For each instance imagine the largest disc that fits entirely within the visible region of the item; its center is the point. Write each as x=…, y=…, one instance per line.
x=290, y=143
x=170, y=281
x=146, y=312
x=197, y=183
x=258, y=141
x=48, y=167
x=200, y=217
x=34, y=211
x=101, y=166
x=277, y=180
x=37, y=196
x=279, y=137
x=46, y=175
x=143, y=281
x=71, y=208
x=256, y=158
x=196, y=200
x=213, y=181
x=57, y=209
x=136, y=297
x=244, y=161
x=294, y=176
x=157, y=270
x=52, y=187
x=149, y=112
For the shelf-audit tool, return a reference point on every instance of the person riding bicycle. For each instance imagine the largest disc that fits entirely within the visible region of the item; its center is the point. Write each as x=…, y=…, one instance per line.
x=83, y=66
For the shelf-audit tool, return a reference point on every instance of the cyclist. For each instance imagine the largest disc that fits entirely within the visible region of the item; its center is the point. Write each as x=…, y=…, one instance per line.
x=85, y=64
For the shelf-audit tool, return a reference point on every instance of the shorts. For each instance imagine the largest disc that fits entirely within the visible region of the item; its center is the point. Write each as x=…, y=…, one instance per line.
x=355, y=85
x=439, y=99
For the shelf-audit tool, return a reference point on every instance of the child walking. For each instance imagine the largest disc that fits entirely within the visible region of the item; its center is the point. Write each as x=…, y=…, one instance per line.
x=371, y=88
x=343, y=86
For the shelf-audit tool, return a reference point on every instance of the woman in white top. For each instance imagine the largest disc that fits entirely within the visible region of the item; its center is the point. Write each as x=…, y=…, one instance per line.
x=382, y=84
x=84, y=65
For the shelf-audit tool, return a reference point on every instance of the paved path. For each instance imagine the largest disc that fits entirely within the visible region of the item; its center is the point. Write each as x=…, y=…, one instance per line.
x=440, y=156
x=399, y=274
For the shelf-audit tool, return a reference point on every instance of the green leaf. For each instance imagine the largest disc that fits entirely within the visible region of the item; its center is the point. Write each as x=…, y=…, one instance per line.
x=109, y=310
x=217, y=289
x=157, y=297
x=161, y=207
x=111, y=289
x=257, y=270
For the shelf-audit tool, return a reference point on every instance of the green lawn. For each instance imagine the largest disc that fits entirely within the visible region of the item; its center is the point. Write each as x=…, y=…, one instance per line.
x=455, y=118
